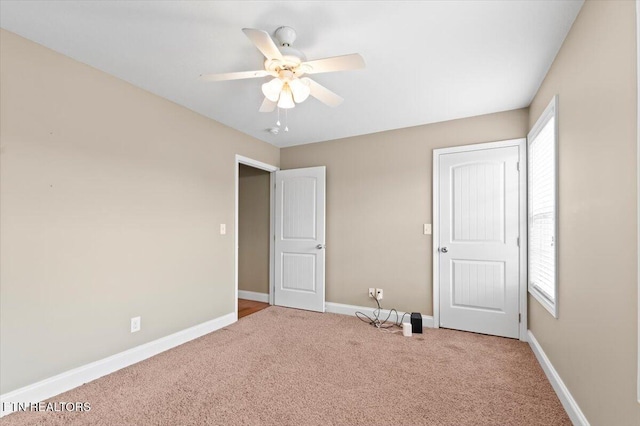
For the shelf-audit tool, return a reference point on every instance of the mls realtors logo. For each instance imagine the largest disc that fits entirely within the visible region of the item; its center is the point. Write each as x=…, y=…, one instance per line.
x=57, y=407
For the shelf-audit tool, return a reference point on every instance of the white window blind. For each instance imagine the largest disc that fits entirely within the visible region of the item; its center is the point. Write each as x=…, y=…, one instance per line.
x=542, y=209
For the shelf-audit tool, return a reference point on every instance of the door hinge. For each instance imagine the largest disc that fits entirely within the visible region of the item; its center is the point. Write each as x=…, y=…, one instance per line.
x=518, y=241
x=519, y=318
x=518, y=166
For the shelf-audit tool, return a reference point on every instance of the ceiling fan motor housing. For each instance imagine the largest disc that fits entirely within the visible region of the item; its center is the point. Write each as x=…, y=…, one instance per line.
x=291, y=58
x=285, y=36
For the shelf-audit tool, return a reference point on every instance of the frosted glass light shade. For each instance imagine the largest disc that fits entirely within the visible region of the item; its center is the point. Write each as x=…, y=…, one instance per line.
x=272, y=89
x=300, y=90
x=286, y=98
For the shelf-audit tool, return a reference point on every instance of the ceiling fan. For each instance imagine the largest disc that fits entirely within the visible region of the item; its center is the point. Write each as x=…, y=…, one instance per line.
x=288, y=66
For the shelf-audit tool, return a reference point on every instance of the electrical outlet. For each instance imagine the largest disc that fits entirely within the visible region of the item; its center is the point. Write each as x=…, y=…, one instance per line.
x=223, y=229
x=372, y=292
x=426, y=229
x=379, y=293
x=135, y=324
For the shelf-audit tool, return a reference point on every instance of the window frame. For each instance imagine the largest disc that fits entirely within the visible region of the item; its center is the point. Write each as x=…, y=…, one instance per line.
x=550, y=112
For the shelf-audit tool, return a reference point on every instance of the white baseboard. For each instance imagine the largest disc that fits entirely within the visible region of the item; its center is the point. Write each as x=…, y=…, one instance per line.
x=252, y=295
x=68, y=380
x=570, y=405
x=339, y=308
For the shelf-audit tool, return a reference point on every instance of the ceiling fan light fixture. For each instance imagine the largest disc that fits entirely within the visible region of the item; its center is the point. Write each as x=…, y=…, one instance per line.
x=272, y=89
x=289, y=65
x=299, y=90
x=286, y=98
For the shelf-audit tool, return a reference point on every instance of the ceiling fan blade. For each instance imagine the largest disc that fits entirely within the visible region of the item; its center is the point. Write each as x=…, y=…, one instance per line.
x=323, y=94
x=263, y=42
x=235, y=75
x=267, y=106
x=336, y=63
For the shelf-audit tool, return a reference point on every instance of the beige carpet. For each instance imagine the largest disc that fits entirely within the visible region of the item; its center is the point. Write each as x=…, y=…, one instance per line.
x=288, y=367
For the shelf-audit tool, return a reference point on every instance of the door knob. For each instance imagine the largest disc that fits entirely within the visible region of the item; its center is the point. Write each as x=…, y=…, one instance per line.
x=444, y=249
x=320, y=246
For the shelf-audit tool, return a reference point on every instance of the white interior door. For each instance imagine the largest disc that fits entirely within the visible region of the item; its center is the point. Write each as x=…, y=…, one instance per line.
x=300, y=238
x=479, y=250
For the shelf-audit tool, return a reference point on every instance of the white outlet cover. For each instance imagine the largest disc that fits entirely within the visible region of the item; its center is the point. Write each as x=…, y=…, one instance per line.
x=135, y=324
x=426, y=229
x=223, y=229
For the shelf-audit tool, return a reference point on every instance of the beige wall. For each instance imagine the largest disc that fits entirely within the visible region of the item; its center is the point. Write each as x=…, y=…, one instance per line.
x=253, y=229
x=593, y=343
x=111, y=202
x=378, y=197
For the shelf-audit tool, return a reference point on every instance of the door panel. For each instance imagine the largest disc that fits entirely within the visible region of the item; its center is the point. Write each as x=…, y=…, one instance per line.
x=298, y=272
x=479, y=230
x=299, y=221
x=300, y=238
x=478, y=202
x=479, y=285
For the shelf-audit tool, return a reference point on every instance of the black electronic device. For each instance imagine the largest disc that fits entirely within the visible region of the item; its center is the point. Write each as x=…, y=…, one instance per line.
x=416, y=322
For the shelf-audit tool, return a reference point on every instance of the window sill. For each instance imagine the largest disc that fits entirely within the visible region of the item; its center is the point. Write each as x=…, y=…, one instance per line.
x=551, y=307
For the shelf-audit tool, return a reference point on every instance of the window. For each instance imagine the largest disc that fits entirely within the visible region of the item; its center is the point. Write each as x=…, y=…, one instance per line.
x=542, y=208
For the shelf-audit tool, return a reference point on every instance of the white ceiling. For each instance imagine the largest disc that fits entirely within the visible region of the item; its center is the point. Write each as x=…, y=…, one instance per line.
x=427, y=61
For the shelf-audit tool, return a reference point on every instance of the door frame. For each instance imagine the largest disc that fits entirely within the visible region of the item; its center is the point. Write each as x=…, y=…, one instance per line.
x=521, y=143
x=271, y=169
x=638, y=175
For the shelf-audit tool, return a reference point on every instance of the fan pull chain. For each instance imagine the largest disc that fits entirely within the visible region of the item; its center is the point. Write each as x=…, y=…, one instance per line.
x=278, y=122
x=286, y=120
